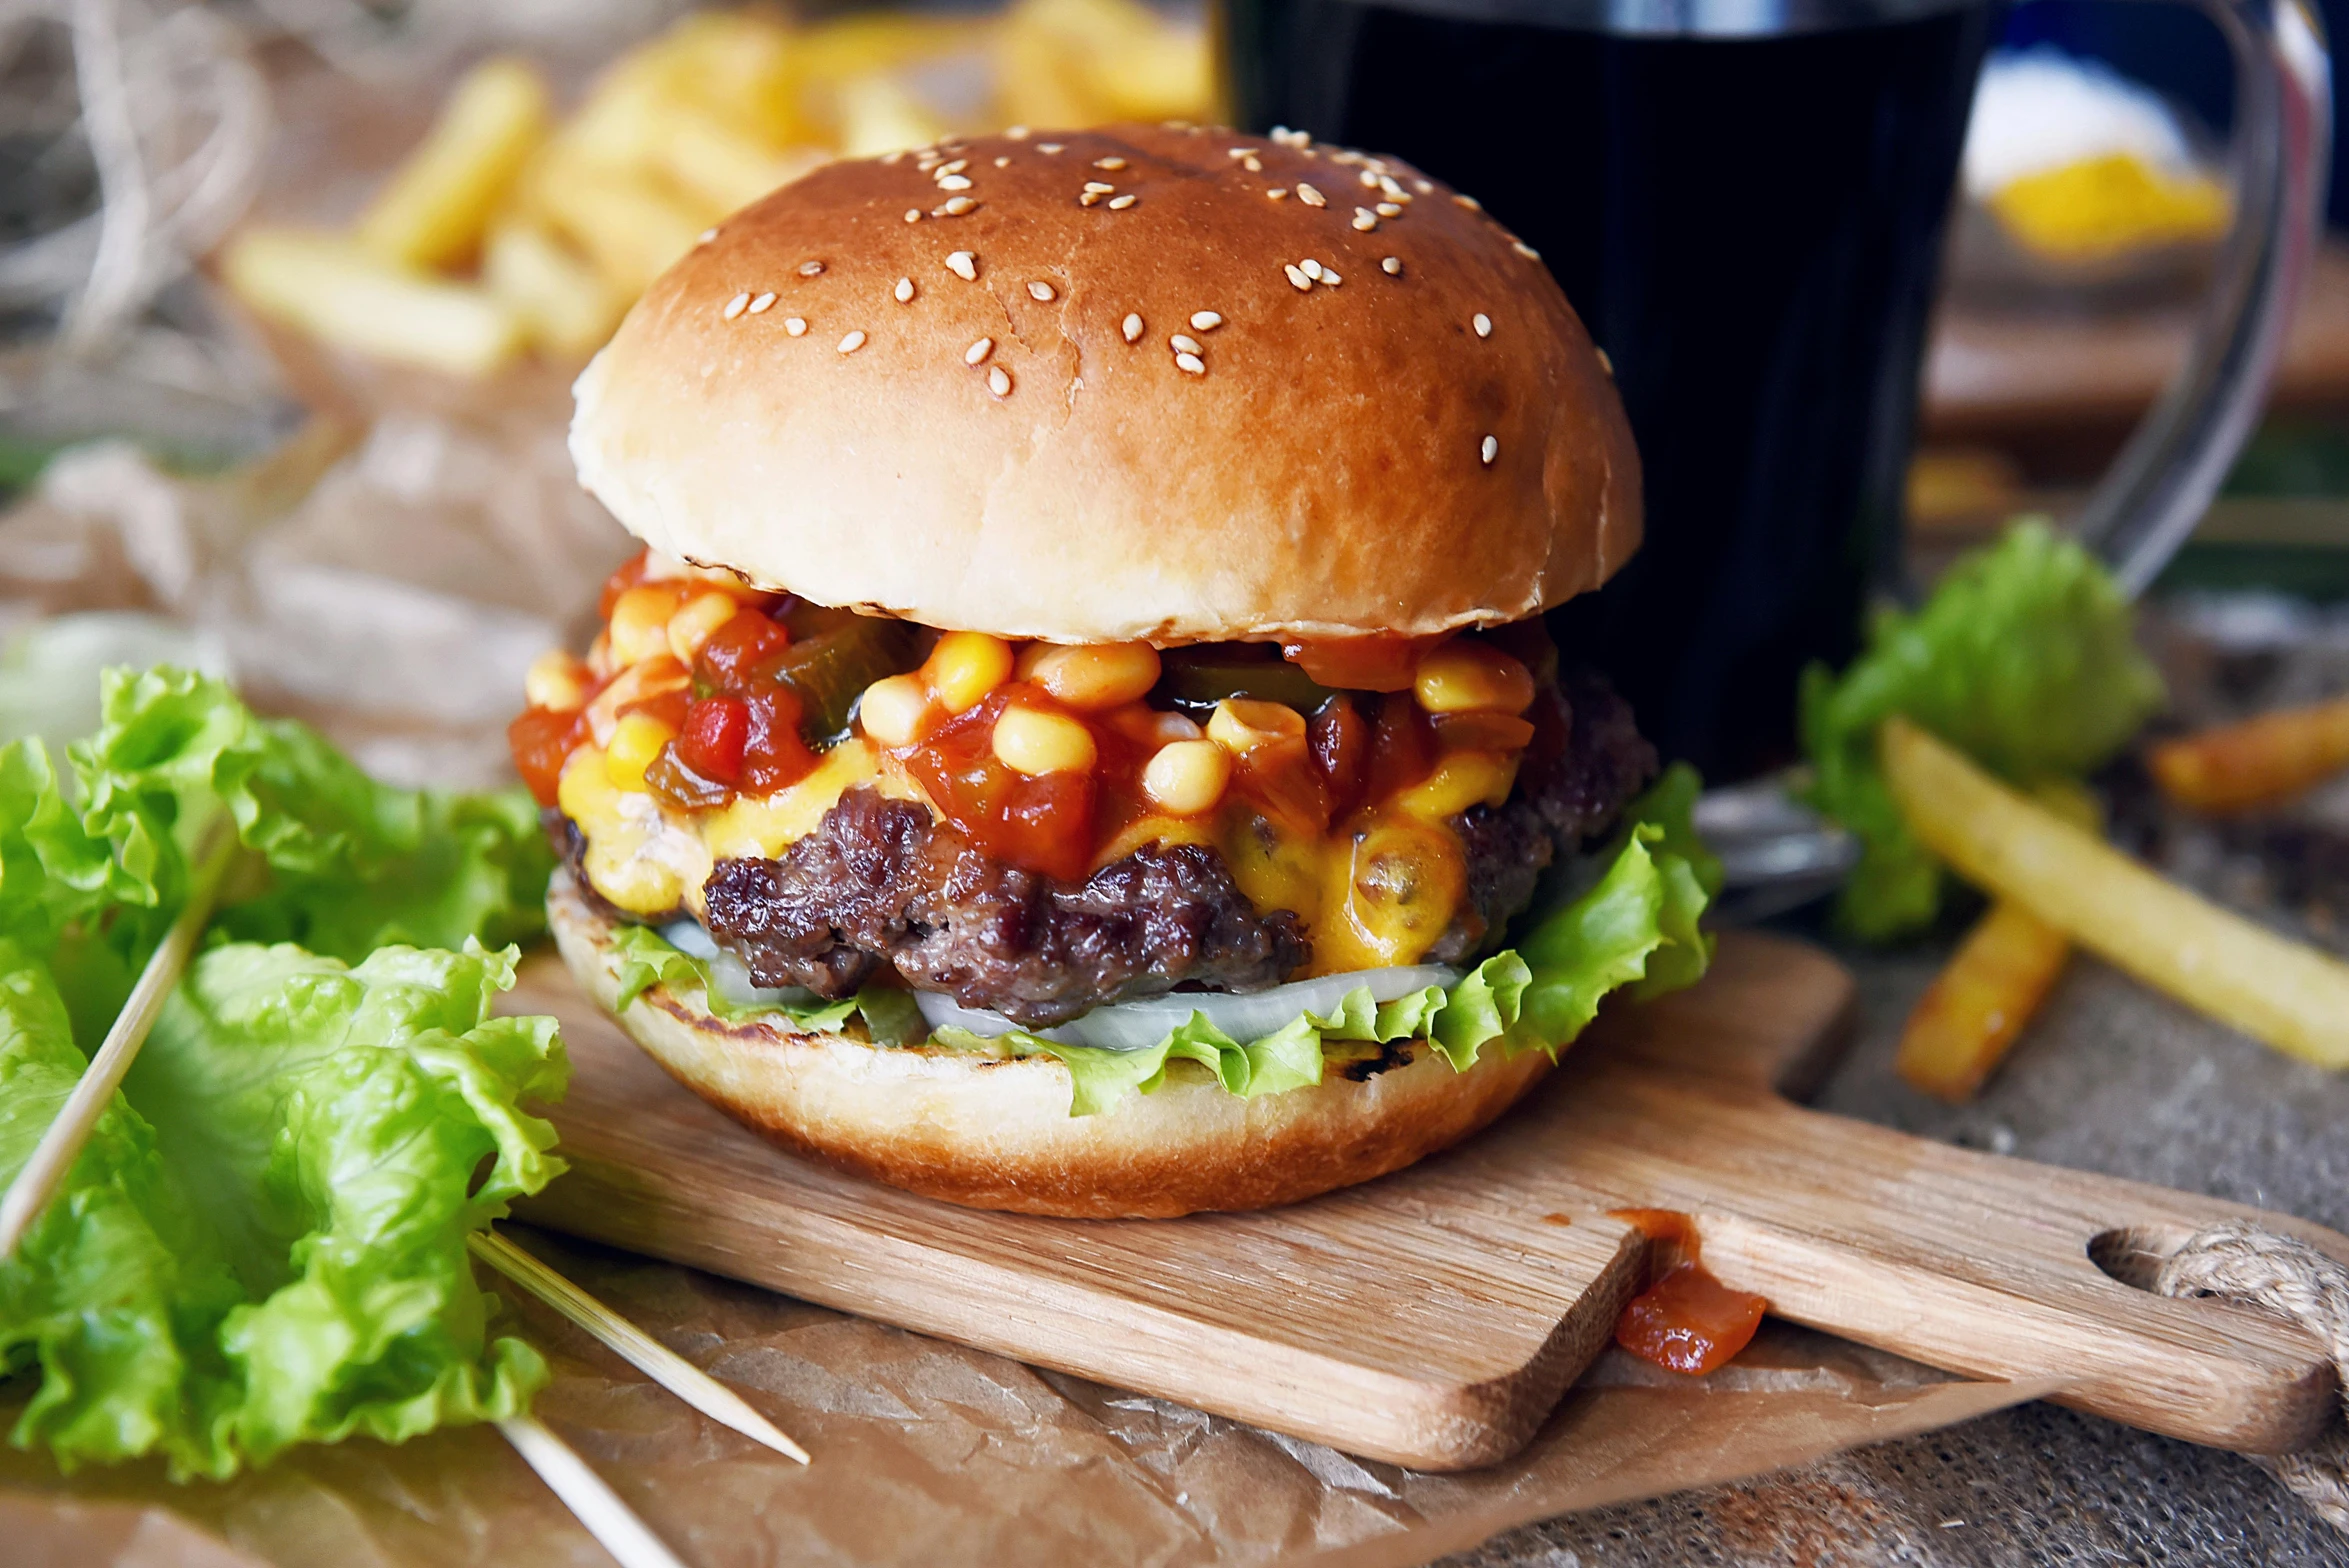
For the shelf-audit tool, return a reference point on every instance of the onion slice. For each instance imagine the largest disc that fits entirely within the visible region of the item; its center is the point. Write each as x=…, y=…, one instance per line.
x=1140, y=1025
x=730, y=979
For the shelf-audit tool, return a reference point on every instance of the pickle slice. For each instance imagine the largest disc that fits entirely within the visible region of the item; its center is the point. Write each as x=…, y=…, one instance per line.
x=1199, y=678
x=830, y=670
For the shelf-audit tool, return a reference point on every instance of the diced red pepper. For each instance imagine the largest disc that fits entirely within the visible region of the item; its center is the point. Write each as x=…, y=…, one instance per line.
x=1340, y=739
x=1381, y=661
x=730, y=659
x=1402, y=748
x=540, y=740
x=627, y=577
x=713, y=736
x=774, y=756
x=1042, y=824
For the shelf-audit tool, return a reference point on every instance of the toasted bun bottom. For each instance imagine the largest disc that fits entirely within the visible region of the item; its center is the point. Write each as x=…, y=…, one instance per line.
x=996, y=1133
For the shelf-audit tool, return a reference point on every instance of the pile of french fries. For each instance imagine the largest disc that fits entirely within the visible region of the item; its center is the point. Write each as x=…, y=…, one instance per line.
x=2056, y=883
x=512, y=230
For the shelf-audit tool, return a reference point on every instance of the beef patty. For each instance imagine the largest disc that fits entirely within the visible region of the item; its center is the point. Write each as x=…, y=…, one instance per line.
x=881, y=888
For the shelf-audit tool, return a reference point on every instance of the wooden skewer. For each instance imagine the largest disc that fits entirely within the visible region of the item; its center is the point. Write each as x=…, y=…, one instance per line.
x=647, y=1354
x=589, y=1497
x=37, y=1182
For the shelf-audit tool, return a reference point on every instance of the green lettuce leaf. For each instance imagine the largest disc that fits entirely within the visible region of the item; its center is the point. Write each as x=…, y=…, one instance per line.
x=352, y=864
x=264, y=1241
x=2025, y=657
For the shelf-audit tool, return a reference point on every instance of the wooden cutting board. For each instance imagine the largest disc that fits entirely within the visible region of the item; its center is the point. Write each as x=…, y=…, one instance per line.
x=1433, y=1318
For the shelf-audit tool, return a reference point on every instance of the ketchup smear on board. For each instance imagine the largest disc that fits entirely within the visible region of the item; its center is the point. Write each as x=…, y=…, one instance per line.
x=1687, y=1321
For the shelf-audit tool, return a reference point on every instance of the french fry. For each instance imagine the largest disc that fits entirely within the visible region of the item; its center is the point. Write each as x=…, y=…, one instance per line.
x=630, y=226
x=878, y=116
x=1072, y=62
x=2276, y=990
x=436, y=208
x=725, y=168
x=1975, y=1010
x=1980, y=1003
x=2255, y=763
x=340, y=292
x=568, y=308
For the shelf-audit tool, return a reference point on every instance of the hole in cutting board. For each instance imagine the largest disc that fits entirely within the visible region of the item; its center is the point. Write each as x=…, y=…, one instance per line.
x=2134, y=1254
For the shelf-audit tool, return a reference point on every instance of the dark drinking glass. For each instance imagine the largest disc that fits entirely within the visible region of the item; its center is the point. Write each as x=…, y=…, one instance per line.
x=1744, y=200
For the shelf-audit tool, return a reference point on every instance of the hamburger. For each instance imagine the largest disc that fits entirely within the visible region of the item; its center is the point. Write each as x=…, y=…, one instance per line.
x=1081, y=737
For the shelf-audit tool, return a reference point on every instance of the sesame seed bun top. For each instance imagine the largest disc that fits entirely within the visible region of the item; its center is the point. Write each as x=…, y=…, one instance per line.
x=1138, y=382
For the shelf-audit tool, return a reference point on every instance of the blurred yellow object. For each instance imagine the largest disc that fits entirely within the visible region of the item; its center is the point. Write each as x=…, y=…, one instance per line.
x=877, y=116
x=340, y=292
x=437, y=207
x=567, y=223
x=568, y=308
x=1074, y=62
x=2103, y=207
x=2256, y=762
x=1961, y=485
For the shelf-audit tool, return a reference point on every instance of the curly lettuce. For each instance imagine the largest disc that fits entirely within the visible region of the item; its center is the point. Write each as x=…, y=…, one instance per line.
x=2025, y=657
x=264, y=1241
x=1635, y=926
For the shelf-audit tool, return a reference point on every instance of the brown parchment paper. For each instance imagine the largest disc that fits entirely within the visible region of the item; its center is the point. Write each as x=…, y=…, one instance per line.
x=926, y=1453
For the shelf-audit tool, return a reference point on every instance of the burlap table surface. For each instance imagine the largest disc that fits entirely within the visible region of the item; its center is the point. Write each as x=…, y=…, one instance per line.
x=2110, y=1078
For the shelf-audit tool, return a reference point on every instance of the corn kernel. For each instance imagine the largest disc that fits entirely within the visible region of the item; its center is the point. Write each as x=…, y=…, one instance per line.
x=1092, y=676
x=1241, y=724
x=965, y=666
x=636, y=740
x=1465, y=677
x=640, y=623
x=691, y=626
x=892, y=710
x=1187, y=777
x=557, y=681
x=1034, y=742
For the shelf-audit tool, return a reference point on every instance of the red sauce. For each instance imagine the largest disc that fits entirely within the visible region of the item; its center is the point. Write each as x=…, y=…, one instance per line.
x=1039, y=823
x=1686, y=1321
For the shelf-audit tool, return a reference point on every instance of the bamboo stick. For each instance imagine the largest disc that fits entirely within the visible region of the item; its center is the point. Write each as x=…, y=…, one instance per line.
x=38, y=1181
x=589, y=1497
x=632, y=1344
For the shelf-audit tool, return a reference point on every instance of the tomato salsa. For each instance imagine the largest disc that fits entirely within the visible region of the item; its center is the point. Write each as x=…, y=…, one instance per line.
x=1686, y=1320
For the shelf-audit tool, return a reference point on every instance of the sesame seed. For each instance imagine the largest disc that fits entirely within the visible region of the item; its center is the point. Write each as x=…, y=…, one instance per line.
x=706, y=236
x=1483, y=324
x=963, y=265
x=977, y=353
x=1424, y=187
x=1131, y=327
x=893, y=157
x=1048, y=147
x=955, y=182
x=1238, y=152
x=1040, y=292
x=795, y=325
x=956, y=167
x=999, y=381
x=734, y=306
x=1525, y=250
x=1097, y=188
x=759, y=306
x=851, y=343
x=1330, y=278
x=1111, y=164
x=1297, y=276
x=956, y=206
x=1278, y=193
x=1309, y=196
x=1252, y=165
x=1017, y=133
x=1365, y=220
x=913, y=214
x=1392, y=266
x=1310, y=268
x=1463, y=199
x=1088, y=198
x=1387, y=209
x=1183, y=344
x=1191, y=363
x=1368, y=179
x=1120, y=203
x=1003, y=163
x=809, y=269
x=1205, y=320
x=904, y=291
x=1392, y=191
x=1605, y=363
x=1490, y=450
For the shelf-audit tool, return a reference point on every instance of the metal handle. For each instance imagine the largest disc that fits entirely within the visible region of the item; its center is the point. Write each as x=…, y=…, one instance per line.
x=2165, y=477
